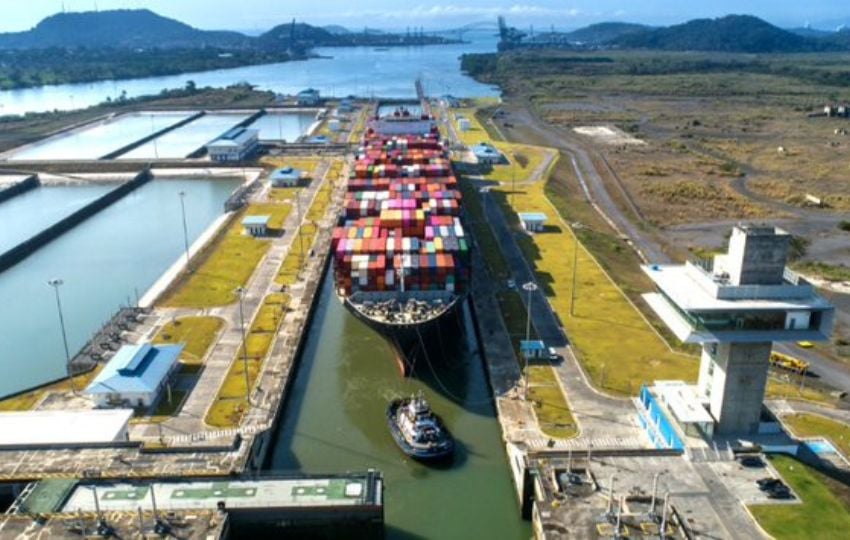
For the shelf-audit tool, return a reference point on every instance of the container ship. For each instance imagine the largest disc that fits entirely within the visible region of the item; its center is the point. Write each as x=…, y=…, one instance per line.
x=400, y=252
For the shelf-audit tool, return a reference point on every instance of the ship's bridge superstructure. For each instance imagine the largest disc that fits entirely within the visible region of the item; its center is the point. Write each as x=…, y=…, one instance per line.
x=736, y=306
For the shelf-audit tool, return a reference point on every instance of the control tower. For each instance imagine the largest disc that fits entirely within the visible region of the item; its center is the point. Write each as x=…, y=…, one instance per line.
x=736, y=306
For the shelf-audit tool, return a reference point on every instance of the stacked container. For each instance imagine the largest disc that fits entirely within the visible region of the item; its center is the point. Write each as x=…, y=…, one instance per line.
x=400, y=228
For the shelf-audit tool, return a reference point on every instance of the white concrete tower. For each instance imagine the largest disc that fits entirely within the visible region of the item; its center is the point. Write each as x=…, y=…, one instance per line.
x=736, y=306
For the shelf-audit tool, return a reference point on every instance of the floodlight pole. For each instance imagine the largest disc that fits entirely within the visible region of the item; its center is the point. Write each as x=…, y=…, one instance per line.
x=576, y=226
x=185, y=231
x=530, y=287
x=241, y=292
x=56, y=283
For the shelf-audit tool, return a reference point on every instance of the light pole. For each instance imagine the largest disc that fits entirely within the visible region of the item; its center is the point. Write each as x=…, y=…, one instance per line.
x=654, y=492
x=56, y=283
x=241, y=291
x=185, y=230
x=576, y=227
x=530, y=287
x=300, y=236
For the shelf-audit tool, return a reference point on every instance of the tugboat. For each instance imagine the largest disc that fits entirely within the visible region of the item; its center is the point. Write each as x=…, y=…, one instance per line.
x=417, y=430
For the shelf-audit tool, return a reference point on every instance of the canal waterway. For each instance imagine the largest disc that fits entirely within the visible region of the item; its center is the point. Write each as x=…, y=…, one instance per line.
x=184, y=140
x=104, y=261
x=284, y=126
x=335, y=420
x=27, y=214
x=360, y=71
x=98, y=140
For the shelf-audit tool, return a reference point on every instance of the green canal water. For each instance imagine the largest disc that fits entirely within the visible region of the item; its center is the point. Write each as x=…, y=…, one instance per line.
x=335, y=421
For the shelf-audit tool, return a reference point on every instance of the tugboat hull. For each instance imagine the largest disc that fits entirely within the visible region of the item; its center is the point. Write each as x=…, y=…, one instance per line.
x=435, y=452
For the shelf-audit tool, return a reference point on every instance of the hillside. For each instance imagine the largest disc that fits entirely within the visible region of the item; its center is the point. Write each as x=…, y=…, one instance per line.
x=732, y=33
x=134, y=29
x=603, y=32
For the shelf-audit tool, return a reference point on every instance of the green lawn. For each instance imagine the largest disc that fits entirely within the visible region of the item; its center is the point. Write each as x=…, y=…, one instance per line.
x=814, y=425
x=822, y=514
x=230, y=403
x=226, y=265
x=195, y=333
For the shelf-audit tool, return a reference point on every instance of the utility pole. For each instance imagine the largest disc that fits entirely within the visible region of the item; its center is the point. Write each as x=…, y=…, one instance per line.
x=530, y=287
x=56, y=283
x=576, y=226
x=185, y=231
x=241, y=292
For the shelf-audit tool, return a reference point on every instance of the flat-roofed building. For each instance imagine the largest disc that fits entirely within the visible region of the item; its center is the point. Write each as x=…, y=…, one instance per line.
x=62, y=427
x=235, y=145
x=532, y=221
x=736, y=306
x=286, y=177
x=532, y=349
x=256, y=225
x=308, y=97
x=487, y=154
x=135, y=376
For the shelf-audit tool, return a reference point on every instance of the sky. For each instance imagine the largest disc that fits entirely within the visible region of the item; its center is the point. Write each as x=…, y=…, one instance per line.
x=260, y=15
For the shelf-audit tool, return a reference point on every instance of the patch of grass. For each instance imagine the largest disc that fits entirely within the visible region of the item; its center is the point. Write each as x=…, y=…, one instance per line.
x=225, y=265
x=822, y=514
x=230, y=403
x=550, y=406
x=195, y=333
x=829, y=272
x=638, y=355
x=814, y=425
x=28, y=400
x=790, y=389
x=493, y=257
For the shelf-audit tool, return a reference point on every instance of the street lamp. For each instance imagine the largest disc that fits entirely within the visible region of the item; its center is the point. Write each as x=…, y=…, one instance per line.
x=56, y=283
x=185, y=230
x=241, y=291
x=530, y=287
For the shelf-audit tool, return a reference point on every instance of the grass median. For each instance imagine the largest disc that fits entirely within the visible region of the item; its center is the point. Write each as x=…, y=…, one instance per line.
x=230, y=403
x=822, y=514
x=815, y=425
x=226, y=264
x=195, y=333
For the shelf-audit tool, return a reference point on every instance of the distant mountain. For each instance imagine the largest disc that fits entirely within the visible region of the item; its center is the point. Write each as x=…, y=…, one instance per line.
x=300, y=37
x=140, y=28
x=600, y=33
x=810, y=32
x=336, y=29
x=732, y=33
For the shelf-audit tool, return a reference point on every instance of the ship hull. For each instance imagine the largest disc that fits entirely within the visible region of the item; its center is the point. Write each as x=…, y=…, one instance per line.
x=419, y=346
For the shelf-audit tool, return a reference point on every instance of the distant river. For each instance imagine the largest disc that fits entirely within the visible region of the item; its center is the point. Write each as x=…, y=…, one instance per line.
x=360, y=71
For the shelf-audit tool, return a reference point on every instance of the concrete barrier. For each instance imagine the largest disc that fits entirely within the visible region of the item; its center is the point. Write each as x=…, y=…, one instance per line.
x=31, y=245
x=21, y=187
x=133, y=145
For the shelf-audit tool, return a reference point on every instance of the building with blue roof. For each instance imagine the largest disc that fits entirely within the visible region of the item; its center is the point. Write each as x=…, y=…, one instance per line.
x=532, y=349
x=286, y=177
x=308, y=98
x=135, y=376
x=256, y=225
x=487, y=154
x=235, y=145
x=532, y=221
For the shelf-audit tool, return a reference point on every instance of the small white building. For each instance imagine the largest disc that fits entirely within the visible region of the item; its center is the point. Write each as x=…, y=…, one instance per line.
x=135, y=376
x=533, y=349
x=532, y=221
x=256, y=225
x=286, y=177
x=235, y=145
x=487, y=154
x=308, y=98
x=463, y=123
x=334, y=124
x=52, y=427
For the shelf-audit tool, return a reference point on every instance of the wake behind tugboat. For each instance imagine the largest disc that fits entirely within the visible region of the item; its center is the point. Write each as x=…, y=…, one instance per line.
x=419, y=432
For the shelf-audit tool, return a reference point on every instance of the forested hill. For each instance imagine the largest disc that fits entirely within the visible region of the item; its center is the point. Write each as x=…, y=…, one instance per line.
x=732, y=33
x=603, y=32
x=140, y=28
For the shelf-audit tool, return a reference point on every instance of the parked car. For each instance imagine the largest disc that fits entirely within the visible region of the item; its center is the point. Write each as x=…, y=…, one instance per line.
x=553, y=354
x=752, y=462
x=780, y=491
x=766, y=484
x=511, y=284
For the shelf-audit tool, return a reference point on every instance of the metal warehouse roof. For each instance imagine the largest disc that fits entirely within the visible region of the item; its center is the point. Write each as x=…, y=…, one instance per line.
x=136, y=368
x=530, y=346
x=286, y=173
x=532, y=216
x=62, y=427
x=256, y=220
x=485, y=150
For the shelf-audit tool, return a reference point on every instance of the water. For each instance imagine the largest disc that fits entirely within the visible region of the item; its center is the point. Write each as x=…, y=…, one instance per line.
x=184, y=140
x=361, y=71
x=820, y=446
x=96, y=141
x=335, y=420
x=28, y=214
x=414, y=108
x=287, y=126
x=103, y=261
